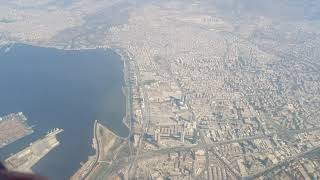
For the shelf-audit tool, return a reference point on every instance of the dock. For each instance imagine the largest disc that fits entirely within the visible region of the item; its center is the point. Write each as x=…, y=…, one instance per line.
x=13, y=127
x=24, y=160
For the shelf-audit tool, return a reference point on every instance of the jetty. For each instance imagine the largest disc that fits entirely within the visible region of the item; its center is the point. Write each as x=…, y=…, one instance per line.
x=24, y=160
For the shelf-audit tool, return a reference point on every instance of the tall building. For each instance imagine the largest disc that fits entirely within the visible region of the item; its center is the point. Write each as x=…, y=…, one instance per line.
x=182, y=134
x=157, y=137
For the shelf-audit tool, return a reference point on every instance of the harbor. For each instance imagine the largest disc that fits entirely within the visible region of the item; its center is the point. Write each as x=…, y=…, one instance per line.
x=13, y=127
x=24, y=160
x=49, y=100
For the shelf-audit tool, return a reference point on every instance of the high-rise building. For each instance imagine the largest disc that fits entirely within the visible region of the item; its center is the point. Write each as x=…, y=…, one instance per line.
x=157, y=137
x=182, y=134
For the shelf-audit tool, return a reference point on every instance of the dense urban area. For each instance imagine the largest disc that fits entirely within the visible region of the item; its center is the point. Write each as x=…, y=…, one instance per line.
x=214, y=89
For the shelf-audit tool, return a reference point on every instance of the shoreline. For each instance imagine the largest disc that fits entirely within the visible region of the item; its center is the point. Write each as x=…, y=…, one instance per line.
x=53, y=46
x=124, y=57
x=104, y=139
x=87, y=167
x=104, y=57
x=34, y=152
x=126, y=88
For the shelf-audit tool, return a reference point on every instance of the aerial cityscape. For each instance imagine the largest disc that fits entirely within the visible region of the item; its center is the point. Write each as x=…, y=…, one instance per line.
x=214, y=89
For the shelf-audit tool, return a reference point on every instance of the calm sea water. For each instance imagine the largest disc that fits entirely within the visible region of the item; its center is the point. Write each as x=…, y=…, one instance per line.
x=62, y=89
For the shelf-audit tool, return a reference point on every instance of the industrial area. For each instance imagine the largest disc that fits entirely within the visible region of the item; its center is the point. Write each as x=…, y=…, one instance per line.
x=13, y=127
x=24, y=160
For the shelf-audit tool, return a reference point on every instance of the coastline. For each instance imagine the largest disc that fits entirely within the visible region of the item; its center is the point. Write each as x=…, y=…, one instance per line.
x=119, y=119
x=124, y=57
x=126, y=89
x=126, y=72
x=89, y=169
x=88, y=166
x=34, y=152
x=103, y=141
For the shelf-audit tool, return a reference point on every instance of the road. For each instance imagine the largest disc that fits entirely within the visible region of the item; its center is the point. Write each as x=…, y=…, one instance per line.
x=203, y=141
x=227, y=164
x=145, y=123
x=151, y=154
x=282, y=163
x=96, y=161
x=124, y=161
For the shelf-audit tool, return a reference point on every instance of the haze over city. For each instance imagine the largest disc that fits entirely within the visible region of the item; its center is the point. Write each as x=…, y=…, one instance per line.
x=160, y=89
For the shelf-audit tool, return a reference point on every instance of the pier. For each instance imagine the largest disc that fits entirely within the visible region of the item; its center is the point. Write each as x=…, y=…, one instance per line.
x=24, y=160
x=12, y=128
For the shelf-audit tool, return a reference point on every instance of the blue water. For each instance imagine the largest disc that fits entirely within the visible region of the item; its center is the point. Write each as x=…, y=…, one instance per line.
x=62, y=89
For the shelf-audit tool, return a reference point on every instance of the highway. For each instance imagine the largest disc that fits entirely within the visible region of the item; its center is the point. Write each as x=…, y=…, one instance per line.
x=145, y=123
x=139, y=154
x=128, y=92
x=226, y=163
x=203, y=140
x=151, y=154
x=97, y=146
x=124, y=161
x=282, y=163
